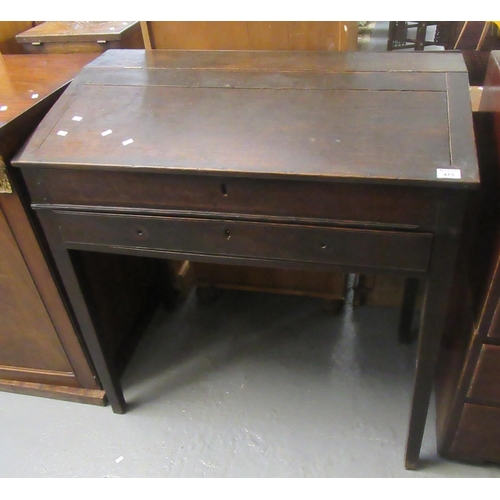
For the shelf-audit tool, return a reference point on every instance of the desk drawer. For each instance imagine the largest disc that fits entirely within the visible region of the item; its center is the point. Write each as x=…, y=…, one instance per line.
x=478, y=434
x=485, y=383
x=251, y=240
x=196, y=194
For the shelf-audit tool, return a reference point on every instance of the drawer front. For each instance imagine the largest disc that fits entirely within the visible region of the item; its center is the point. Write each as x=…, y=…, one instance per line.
x=416, y=207
x=251, y=240
x=494, y=329
x=478, y=434
x=485, y=383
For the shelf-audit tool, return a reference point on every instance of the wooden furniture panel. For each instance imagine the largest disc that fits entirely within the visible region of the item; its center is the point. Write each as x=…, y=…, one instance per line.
x=323, y=285
x=40, y=351
x=262, y=132
x=8, y=32
x=485, y=383
x=468, y=376
x=477, y=436
x=26, y=330
x=187, y=143
x=371, y=206
x=494, y=332
x=123, y=293
x=252, y=240
x=381, y=290
x=253, y=35
x=64, y=37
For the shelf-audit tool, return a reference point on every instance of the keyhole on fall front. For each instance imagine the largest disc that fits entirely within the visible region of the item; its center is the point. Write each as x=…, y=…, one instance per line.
x=223, y=189
x=227, y=233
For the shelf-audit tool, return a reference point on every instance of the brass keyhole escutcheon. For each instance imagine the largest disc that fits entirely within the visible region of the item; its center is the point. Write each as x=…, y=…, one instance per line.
x=227, y=233
x=223, y=189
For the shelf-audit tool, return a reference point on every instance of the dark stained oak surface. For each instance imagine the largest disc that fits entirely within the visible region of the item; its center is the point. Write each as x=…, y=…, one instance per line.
x=298, y=160
x=176, y=114
x=184, y=194
x=283, y=61
x=275, y=242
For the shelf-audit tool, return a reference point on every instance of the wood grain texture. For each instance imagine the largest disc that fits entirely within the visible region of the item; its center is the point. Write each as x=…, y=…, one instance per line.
x=485, y=383
x=467, y=380
x=328, y=286
x=90, y=396
x=256, y=35
x=333, y=203
x=477, y=438
x=78, y=31
x=68, y=37
x=336, y=246
x=271, y=129
x=39, y=344
x=284, y=124
x=8, y=32
x=28, y=337
x=26, y=81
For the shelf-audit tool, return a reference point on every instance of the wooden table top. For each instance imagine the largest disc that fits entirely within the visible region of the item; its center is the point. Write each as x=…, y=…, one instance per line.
x=388, y=117
x=25, y=80
x=75, y=31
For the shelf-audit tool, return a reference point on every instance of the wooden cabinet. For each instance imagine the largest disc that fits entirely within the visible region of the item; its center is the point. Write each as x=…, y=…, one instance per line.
x=40, y=352
x=8, y=32
x=251, y=35
x=468, y=376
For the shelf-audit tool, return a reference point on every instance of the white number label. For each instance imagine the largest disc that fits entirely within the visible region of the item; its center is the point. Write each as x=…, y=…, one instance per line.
x=448, y=173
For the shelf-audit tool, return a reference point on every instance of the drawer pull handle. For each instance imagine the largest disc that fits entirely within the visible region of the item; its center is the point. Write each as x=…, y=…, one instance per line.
x=227, y=233
x=223, y=189
x=323, y=245
x=139, y=232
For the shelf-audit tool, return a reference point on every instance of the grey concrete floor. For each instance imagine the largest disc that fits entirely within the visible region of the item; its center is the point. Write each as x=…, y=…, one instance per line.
x=249, y=386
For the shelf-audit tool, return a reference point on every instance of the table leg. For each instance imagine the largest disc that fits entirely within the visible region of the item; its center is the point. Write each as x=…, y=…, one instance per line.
x=428, y=349
x=433, y=318
x=109, y=381
x=407, y=310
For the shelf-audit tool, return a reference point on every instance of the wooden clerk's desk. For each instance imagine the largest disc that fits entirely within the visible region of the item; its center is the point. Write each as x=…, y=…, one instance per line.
x=350, y=161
